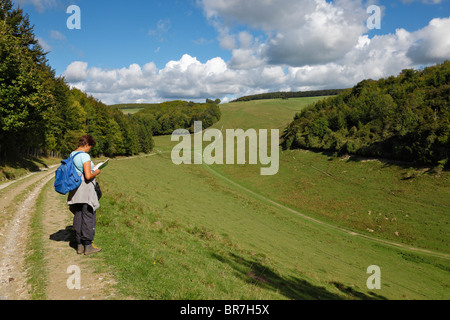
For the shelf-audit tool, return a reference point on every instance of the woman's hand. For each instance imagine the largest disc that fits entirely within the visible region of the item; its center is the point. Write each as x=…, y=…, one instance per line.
x=87, y=171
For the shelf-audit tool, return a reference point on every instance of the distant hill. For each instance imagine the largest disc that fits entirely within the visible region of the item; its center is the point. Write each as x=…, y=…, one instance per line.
x=287, y=95
x=405, y=117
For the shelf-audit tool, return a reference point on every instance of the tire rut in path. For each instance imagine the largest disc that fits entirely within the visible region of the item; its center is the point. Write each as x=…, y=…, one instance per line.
x=13, y=244
x=14, y=236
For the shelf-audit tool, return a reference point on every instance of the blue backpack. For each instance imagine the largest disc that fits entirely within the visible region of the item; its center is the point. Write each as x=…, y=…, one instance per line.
x=66, y=176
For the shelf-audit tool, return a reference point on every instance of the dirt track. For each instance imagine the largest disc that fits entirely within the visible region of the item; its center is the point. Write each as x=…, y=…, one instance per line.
x=17, y=207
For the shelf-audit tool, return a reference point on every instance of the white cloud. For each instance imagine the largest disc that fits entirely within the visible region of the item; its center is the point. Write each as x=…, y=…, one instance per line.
x=56, y=35
x=308, y=45
x=299, y=32
x=202, y=41
x=162, y=27
x=187, y=79
x=190, y=79
x=227, y=41
x=40, y=5
x=432, y=43
x=45, y=46
x=373, y=58
x=248, y=54
x=326, y=34
x=423, y=1
x=245, y=59
x=76, y=72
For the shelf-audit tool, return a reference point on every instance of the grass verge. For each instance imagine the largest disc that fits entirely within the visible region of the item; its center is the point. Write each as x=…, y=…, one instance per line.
x=34, y=260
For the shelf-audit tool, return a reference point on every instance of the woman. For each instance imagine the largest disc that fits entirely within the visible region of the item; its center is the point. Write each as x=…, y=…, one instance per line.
x=83, y=201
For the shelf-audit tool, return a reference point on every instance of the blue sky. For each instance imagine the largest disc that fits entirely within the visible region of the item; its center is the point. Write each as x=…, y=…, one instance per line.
x=117, y=33
x=152, y=51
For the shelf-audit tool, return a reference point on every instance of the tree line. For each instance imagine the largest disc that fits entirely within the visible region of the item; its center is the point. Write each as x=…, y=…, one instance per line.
x=404, y=117
x=164, y=118
x=288, y=95
x=39, y=111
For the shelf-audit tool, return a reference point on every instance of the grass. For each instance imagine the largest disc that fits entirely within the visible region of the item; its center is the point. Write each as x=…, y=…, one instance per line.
x=35, y=259
x=8, y=211
x=131, y=111
x=180, y=233
x=265, y=114
x=368, y=197
x=199, y=232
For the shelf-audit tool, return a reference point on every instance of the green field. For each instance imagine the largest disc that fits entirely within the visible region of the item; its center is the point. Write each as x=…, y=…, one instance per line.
x=131, y=110
x=309, y=232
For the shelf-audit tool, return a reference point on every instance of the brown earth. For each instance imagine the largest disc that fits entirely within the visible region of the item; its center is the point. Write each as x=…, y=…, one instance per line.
x=17, y=207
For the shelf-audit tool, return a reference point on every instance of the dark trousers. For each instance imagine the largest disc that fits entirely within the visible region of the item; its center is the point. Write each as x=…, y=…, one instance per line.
x=84, y=223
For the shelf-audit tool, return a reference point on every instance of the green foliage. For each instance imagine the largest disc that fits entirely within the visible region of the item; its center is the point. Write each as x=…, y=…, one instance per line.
x=115, y=133
x=166, y=117
x=24, y=77
x=405, y=117
x=40, y=111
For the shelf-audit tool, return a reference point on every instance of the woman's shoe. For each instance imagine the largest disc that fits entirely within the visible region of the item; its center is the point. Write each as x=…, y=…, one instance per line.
x=90, y=249
x=80, y=249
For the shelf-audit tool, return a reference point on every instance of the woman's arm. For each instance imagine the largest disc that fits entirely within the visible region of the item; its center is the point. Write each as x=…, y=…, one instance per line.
x=87, y=171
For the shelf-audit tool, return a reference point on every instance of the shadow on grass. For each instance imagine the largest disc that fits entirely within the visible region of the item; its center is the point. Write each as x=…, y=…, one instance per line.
x=356, y=294
x=253, y=272
x=28, y=163
x=387, y=162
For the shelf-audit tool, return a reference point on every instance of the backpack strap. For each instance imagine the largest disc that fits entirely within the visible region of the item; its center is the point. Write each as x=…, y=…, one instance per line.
x=76, y=154
x=73, y=157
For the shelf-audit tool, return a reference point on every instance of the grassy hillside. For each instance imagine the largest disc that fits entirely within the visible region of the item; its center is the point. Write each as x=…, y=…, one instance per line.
x=225, y=232
x=398, y=202
x=392, y=201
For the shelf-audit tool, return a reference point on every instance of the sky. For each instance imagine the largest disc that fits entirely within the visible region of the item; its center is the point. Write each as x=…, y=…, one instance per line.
x=147, y=51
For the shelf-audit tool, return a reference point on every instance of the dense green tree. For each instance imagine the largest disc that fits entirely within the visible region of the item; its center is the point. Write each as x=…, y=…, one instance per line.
x=25, y=94
x=168, y=116
x=38, y=110
x=288, y=95
x=405, y=117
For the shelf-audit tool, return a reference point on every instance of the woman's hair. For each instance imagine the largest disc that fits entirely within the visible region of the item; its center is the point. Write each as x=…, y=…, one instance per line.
x=86, y=140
